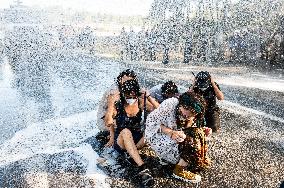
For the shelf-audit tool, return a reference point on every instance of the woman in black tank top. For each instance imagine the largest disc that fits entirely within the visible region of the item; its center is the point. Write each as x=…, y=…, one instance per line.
x=129, y=131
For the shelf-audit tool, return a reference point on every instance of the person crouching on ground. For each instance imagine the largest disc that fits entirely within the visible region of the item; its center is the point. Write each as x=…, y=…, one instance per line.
x=111, y=96
x=175, y=132
x=129, y=131
x=205, y=86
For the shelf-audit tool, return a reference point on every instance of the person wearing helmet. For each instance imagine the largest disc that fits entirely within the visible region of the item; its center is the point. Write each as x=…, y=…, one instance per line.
x=205, y=86
x=165, y=91
x=109, y=97
x=104, y=115
x=129, y=132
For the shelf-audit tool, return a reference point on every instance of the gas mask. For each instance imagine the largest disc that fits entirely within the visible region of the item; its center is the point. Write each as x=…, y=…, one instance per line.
x=203, y=80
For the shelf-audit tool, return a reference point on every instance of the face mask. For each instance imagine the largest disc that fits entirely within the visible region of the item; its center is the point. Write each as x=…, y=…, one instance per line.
x=131, y=101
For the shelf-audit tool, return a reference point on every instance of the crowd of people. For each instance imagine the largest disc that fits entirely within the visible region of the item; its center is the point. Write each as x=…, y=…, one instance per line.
x=32, y=42
x=158, y=42
x=174, y=121
x=171, y=42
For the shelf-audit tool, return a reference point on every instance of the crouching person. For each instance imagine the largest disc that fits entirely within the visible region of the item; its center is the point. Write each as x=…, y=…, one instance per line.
x=175, y=133
x=205, y=86
x=106, y=105
x=129, y=131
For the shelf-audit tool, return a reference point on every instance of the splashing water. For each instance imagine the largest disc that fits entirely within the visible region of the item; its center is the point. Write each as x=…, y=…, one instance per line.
x=56, y=64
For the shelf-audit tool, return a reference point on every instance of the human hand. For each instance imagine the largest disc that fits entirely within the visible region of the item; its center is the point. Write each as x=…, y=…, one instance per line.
x=114, y=97
x=110, y=142
x=207, y=131
x=145, y=91
x=178, y=136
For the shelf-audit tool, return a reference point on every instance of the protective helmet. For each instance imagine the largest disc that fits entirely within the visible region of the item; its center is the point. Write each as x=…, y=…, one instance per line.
x=130, y=87
x=203, y=80
x=169, y=88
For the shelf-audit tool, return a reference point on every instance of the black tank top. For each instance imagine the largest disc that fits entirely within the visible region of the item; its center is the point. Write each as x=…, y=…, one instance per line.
x=123, y=121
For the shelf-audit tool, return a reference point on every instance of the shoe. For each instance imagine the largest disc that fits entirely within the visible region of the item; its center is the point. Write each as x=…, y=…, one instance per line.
x=181, y=173
x=146, y=176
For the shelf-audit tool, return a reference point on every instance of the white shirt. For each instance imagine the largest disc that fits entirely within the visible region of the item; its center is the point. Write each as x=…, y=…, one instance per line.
x=162, y=144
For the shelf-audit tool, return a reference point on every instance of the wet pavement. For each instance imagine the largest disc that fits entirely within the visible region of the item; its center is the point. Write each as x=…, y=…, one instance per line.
x=260, y=91
x=49, y=108
x=249, y=150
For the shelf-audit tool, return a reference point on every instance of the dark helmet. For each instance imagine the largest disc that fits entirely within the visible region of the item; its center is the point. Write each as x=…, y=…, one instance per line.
x=169, y=88
x=130, y=87
x=203, y=80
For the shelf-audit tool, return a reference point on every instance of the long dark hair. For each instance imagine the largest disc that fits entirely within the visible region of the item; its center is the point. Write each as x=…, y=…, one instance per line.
x=191, y=100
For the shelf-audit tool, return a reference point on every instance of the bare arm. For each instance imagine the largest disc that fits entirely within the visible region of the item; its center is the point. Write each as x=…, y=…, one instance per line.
x=109, y=118
x=151, y=103
x=166, y=130
x=173, y=134
x=111, y=109
x=218, y=92
x=154, y=104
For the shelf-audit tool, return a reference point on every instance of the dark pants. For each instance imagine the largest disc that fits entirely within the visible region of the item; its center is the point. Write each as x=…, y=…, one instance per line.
x=212, y=118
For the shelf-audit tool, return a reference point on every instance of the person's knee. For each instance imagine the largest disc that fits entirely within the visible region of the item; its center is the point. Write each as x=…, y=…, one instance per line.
x=126, y=133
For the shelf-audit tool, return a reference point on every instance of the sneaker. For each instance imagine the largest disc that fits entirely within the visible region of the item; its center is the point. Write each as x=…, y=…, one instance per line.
x=181, y=173
x=146, y=176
